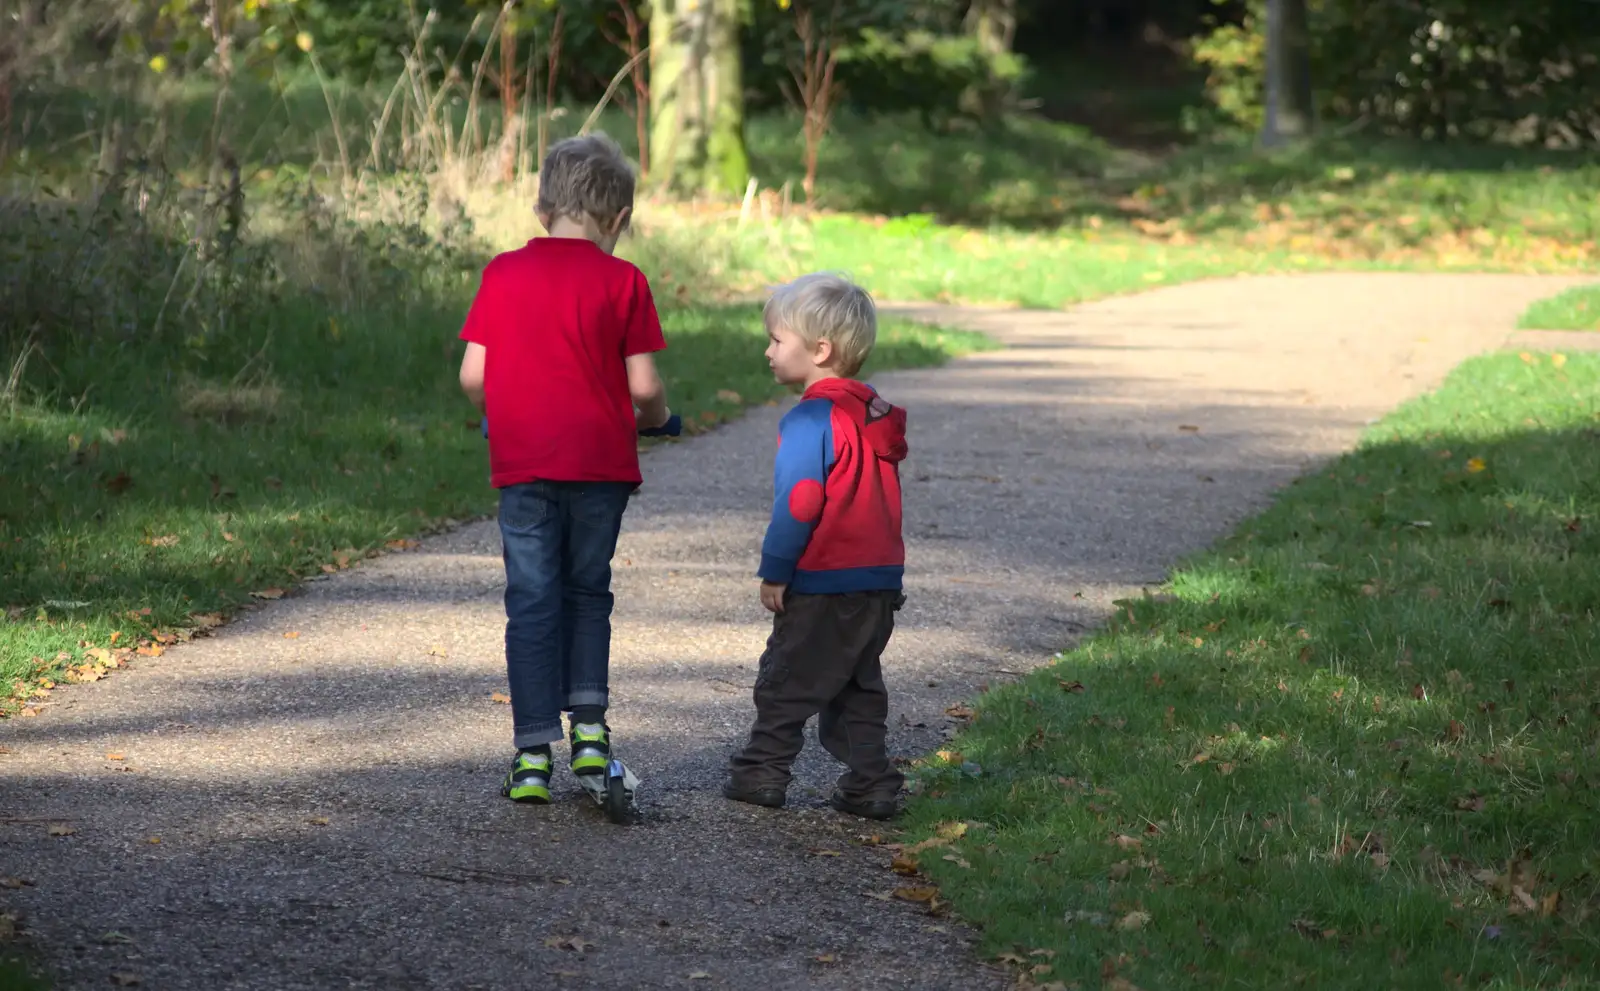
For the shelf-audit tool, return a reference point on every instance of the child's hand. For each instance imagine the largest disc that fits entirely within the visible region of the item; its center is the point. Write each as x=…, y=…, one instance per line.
x=642, y=418
x=772, y=596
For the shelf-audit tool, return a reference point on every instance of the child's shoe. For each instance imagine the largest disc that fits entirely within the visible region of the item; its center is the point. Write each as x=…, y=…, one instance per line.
x=767, y=798
x=529, y=778
x=867, y=809
x=591, y=748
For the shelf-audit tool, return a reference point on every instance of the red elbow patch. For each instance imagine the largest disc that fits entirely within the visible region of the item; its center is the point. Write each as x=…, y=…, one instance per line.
x=805, y=501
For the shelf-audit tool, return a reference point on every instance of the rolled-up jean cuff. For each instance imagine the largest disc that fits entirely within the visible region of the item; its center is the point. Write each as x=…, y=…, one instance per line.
x=587, y=696
x=535, y=736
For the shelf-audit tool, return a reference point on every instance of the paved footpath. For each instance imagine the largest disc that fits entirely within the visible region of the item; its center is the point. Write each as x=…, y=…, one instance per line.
x=326, y=805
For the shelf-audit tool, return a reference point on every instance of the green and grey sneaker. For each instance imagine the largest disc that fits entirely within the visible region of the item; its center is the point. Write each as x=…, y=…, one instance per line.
x=529, y=778
x=591, y=748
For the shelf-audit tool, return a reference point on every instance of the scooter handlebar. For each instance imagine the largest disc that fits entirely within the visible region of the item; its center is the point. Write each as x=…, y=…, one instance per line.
x=672, y=428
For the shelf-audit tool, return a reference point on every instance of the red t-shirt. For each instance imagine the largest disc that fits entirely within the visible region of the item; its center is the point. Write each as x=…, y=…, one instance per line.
x=558, y=317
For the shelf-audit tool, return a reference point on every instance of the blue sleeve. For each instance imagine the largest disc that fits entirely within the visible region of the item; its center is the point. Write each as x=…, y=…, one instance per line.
x=805, y=454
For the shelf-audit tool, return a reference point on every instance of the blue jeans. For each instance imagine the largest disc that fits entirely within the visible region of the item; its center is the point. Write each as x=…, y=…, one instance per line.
x=558, y=539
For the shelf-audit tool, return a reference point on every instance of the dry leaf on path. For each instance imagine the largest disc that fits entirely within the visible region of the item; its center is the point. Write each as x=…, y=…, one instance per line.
x=124, y=979
x=917, y=894
x=318, y=820
x=268, y=593
x=500, y=697
x=61, y=829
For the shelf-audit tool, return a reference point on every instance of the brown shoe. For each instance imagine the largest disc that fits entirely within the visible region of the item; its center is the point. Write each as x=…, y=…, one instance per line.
x=870, y=809
x=767, y=798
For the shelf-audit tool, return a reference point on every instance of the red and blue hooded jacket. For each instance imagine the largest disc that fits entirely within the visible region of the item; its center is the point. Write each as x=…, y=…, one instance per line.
x=836, y=493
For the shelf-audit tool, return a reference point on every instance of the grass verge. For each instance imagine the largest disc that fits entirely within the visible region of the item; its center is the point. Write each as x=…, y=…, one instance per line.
x=125, y=522
x=1353, y=746
x=1575, y=309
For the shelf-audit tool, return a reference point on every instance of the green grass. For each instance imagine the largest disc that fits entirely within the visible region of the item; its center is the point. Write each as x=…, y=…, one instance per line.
x=1030, y=191
x=130, y=515
x=1575, y=309
x=15, y=975
x=1352, y=747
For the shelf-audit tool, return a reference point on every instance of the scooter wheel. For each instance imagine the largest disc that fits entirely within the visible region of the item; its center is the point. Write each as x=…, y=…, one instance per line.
x=618, y=807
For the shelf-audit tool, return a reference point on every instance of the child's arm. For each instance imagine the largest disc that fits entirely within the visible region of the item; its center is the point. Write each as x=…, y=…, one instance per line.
x=472, y=373
x=649, y=395
x=805, y=453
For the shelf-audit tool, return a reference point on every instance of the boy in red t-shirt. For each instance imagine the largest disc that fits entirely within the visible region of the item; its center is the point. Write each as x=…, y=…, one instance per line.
x=559, y=343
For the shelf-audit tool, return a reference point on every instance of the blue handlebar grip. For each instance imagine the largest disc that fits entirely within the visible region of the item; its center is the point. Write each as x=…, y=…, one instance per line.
x=672, y=428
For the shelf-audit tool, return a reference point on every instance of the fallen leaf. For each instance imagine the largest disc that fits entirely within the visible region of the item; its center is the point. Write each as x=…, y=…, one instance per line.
x=1133, y=921
x=1472, y=803
x=206, y=621
x=1558, y=360
x=61, y=829
x=699, y=975
x=292, y=635
x=1523, y=898
x=124, y=979
x=952, y=830
x=437, y=651
x=1126, y=842
x=268, y=593
x=958, y=712
x=115, y=756
x=1454, y=730
x=1548, y=905
x=917, y=894
x=1200, y=758
x=165, y=540
x=826, y=853
x=826, y=958
x=15, y=882
x=1120, y=870
x=904, y=865
x=956, y=860
x=729, y=396
x=318, y=820
x=1073, y=687
x=1475, y=465
x=500, y=697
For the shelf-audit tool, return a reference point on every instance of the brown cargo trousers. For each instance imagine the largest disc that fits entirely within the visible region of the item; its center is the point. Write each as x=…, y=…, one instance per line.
x=823, y=659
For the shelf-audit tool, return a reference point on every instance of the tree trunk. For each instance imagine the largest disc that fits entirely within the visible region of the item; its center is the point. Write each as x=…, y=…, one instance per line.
x=697, y=97
x=1289, y=110
x=994, y=24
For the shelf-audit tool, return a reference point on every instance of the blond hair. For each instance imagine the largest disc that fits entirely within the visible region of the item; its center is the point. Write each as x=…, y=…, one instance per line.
x=586, y=176
x=826, y=306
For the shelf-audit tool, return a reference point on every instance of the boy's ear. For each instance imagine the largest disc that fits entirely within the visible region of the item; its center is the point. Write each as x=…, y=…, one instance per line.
x=619, y=223
x=546, y=218
x=823, y=352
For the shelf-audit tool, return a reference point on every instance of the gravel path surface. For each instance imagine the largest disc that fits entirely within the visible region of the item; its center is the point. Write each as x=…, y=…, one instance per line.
x=326, y=805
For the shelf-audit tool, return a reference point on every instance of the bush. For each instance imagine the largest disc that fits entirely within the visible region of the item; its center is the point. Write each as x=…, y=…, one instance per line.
x=1524, y=73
